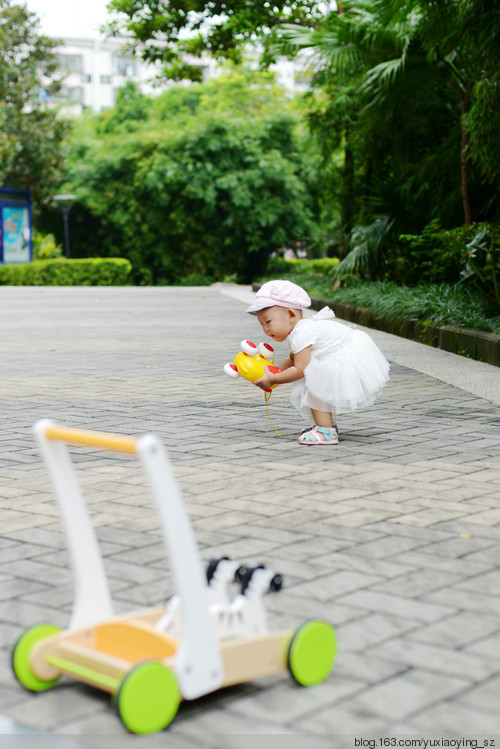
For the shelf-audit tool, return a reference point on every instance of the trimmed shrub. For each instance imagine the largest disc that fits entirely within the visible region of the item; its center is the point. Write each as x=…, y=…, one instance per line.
x=212, y=196
x=94, y=271
x=45, y=247
x=323, y=266
x=449, y=255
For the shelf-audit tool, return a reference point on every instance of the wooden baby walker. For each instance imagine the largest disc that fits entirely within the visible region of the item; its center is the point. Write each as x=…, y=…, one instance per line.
x=201, y=640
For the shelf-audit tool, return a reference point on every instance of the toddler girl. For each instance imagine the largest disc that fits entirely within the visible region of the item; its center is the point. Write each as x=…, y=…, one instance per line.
x=335, y=368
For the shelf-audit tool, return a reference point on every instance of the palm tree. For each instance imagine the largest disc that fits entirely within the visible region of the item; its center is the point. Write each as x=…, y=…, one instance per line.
x=462, y=38
x=415, y=70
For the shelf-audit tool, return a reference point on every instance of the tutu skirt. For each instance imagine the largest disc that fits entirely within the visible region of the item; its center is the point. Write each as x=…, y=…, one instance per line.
x=343, y=380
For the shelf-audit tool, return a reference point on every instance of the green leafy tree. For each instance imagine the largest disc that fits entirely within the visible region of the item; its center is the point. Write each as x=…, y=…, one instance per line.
x=408, y=90
x=130, y=110
x=237, y=92
x=458, y=40
x=164, y=31
x=470, y=48
x=211, y=187
x=31, y=134
x=407, y=86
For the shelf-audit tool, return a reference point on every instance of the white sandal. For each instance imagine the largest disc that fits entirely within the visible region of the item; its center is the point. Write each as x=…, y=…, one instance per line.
x=309, y=429
x=319, y=436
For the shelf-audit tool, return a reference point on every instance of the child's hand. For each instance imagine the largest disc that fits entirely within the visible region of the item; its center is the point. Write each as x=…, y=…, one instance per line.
x=266, y=380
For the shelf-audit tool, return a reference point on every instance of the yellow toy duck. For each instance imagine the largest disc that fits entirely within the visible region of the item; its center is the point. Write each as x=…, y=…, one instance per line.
x=250, y=362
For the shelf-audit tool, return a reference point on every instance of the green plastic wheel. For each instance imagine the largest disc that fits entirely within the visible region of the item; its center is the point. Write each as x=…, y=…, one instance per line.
x=148, y=698
x=21, y=653
x=312, y=652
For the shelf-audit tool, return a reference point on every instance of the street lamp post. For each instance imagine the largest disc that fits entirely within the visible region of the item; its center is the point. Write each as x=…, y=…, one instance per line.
x=65, y=206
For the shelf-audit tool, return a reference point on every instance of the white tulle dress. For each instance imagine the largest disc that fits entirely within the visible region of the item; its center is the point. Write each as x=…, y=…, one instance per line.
x=346, y=372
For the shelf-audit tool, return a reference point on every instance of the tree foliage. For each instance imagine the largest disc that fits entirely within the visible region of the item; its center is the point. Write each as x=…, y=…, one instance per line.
x=198, y=184
x=409, y=90
x=164, y=31
x=31, y=135
x=405, y=106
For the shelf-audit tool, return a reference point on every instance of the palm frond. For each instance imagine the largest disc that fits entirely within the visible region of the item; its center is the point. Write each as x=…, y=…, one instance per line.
x=328, y=48
x=295, y=36
x=385, y=73
x=368, y=245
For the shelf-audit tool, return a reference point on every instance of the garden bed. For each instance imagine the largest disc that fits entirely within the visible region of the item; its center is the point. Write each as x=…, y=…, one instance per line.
x=474, y=344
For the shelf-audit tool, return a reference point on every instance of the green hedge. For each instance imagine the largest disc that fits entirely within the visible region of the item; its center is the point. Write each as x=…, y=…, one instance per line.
x=321, y=265
x=94, y=271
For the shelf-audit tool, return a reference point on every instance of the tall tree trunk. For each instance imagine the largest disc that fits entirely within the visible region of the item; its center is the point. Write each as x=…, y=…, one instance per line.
x=463, y=156
x=347, y=197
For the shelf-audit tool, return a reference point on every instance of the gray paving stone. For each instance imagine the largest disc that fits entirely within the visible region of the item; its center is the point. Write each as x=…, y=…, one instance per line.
x=337, y=584
x=489, y=647
x=417, y=584
x=423, y=560
x=458, y=631
x=445, y=658
x=387, y=547
x=392, y=535
x=65, y=702
x=410, y=693
x=344, y=723
x=420, y=611
x=487, y=583
x=348, y=560
x=468, y=601
x=276, y=705
x=372, y=629
x=460, y=547
x=456, y=718
x=368, y=667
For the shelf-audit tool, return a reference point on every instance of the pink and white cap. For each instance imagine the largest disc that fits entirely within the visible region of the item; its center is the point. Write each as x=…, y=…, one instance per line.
x=280, y=294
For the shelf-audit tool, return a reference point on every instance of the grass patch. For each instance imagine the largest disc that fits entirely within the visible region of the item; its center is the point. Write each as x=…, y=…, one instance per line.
x=442, y=304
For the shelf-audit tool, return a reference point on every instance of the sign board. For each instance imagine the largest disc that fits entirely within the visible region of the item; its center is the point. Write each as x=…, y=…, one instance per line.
x=15, y=226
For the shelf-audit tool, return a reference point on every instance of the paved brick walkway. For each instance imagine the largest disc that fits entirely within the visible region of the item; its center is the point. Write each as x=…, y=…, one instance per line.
x=392, y=536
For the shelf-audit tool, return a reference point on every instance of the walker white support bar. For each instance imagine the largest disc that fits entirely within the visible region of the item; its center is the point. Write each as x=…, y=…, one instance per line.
x=92, y=601
x=198, y=663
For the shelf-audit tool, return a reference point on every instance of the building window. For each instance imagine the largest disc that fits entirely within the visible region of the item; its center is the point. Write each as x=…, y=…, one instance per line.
x=71, y=63
x=86, y=78
x=45, y=94
x=124, y=66
x=105, y=79
x=204, y=69
x=74, y=93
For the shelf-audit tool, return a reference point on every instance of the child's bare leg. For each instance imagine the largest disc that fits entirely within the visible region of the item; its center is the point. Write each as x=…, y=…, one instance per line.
x=322, y=418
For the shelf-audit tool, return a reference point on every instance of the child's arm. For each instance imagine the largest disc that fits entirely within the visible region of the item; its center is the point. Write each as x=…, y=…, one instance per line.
x=286, y=363
x=292, y=373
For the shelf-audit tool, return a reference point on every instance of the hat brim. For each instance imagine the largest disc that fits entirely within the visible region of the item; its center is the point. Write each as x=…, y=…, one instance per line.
x=265, y=302
x=258, y=306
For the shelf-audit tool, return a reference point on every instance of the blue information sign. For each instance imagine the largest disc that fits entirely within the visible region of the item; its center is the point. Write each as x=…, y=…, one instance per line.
x=16, y=234
x=15, y=226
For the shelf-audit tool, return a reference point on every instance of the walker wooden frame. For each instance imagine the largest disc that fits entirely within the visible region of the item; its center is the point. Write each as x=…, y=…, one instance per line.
x=150, y=660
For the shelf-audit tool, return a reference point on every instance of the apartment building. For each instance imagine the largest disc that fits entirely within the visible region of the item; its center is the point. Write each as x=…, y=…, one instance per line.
x=96, y=68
